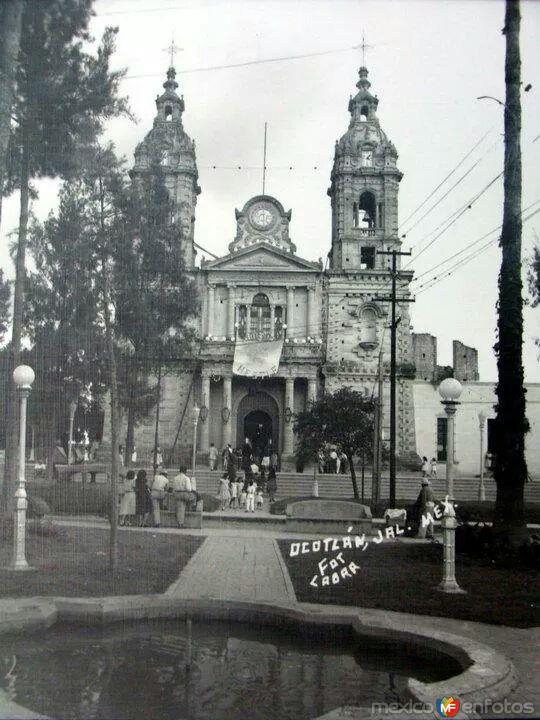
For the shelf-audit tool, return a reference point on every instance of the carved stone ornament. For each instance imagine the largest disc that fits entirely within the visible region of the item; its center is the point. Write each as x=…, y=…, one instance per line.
x=203, y=413
x=225, y=414
x=288, y=415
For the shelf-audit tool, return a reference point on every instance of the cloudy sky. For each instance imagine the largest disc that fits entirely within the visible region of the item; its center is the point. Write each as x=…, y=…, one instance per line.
x=428, y=64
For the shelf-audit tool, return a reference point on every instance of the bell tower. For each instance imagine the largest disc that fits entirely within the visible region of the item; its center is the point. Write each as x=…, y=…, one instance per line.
x=364, y=188
x=168, y=144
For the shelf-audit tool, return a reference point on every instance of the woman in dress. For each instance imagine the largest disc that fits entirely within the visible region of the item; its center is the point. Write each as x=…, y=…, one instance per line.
x=271, y=485
x=143, y=500
x=223, y=494
x=127, y=503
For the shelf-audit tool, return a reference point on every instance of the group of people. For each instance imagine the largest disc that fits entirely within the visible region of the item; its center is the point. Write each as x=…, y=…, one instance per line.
x=332, y=459
x=141, y=500
x=429, y=468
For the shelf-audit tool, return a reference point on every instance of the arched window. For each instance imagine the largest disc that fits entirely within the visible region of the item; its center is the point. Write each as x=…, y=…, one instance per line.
x=364, y=113
x=242, y=322
x=368, y=327
x=260, y=317
x=168, y=112
x=366, y=207
x=278, y=322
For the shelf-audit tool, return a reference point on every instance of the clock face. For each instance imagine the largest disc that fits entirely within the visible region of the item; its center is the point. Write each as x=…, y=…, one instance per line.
x=261, y=217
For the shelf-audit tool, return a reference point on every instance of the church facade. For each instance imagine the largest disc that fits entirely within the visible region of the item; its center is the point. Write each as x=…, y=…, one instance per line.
x=334, y=332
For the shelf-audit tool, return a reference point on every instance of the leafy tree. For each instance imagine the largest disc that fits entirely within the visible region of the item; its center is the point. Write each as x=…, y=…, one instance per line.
x=342, y=418
x=5, y=295
x=61, y=317
x=10, y=35
x=533, y=278
x=510, y=468
x=154, y=297
x=63, y=96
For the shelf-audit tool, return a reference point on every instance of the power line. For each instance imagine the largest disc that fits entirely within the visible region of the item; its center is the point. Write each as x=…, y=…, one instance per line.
x=467, y=247
x=247, y=63
x=446, y=178
x=468, y=206
x=464, y=261
x=447, y=193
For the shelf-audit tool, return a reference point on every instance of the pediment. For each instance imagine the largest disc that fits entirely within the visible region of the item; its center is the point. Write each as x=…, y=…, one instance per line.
x=262, y=257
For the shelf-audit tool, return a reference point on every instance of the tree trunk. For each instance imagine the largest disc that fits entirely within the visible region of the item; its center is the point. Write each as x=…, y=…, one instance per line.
x=510, y=470
x=350, y=458
x=130, y=430
x=10, y=467
x=113, y=548
x=10, y=34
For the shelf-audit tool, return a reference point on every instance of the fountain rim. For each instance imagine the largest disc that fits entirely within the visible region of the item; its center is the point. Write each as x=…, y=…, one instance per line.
x=485, y=672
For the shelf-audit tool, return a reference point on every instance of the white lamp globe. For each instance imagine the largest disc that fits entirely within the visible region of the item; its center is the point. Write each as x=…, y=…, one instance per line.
x=23, y=376
x=196, y=411
x=450, y=390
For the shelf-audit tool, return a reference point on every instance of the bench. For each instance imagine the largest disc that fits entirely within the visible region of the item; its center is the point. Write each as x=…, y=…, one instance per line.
x=327, y=516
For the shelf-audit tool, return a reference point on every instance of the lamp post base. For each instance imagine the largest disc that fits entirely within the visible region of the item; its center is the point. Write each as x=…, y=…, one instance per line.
x=451, y=587
x=18, y=568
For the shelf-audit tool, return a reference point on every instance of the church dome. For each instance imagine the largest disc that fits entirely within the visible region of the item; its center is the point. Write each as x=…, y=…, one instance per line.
x=167, y=143
x=364, y=132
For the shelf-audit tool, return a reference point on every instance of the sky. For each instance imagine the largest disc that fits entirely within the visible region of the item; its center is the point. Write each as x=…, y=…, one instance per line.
x=428, y=63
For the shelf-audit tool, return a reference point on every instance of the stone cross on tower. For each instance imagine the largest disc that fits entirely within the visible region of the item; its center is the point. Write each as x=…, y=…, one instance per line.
x=363, y=46
x=172, y=50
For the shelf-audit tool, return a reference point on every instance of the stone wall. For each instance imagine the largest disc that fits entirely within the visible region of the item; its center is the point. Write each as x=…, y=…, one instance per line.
x=465, y=362
x=424, y=355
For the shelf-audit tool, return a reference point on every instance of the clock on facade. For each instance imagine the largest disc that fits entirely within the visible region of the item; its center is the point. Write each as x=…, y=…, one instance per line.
x=261, y=217
x=367, y=158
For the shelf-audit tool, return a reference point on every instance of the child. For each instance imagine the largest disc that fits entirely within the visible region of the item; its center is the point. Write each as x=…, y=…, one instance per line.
x=239, y=485
x=233, y=489
x=243, y=493
x=425, y=467
x=250, y=501
x=433, y=468
x=260, y=500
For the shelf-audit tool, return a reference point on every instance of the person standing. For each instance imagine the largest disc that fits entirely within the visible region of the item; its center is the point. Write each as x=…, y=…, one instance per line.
x=224, y=495
x=425, y=467
x=321, y=461
x=134, y=455
x=233, y=490
x=433, y=468
x=250, y=501
x=143, y=500
x=127, y=503
x=247, y=453
x=426, y=506
x=158, y=458
x=271, y=485
x=183, y=496
x=213, y=456
x=333, y=461
x=159, y=486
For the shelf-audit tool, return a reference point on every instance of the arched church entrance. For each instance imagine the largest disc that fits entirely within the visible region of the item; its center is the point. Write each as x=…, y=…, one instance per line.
x=258, y=419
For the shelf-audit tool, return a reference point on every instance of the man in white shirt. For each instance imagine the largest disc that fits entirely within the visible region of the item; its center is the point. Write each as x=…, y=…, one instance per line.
x=213, y=456
x=181, y=485
x=159, y=486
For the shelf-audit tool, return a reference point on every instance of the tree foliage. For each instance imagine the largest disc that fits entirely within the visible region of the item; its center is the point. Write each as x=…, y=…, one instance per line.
x=5, y=297
x=343, y=418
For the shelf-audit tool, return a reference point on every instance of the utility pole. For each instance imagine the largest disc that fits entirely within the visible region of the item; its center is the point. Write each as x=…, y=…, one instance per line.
x=377, y=437
x=393, y=300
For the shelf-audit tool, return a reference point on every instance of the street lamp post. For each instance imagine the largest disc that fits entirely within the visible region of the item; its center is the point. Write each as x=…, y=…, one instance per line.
x=23, y=376
x=196, y=413
x=450, y=391
x=72, y=411
x=481, y=486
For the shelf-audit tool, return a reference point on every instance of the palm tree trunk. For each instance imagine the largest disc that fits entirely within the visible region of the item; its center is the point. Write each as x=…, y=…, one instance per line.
x=10, y=34
x=510, y=469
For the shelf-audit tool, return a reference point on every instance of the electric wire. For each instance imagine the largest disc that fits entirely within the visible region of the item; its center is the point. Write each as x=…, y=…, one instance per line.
x=404, y=222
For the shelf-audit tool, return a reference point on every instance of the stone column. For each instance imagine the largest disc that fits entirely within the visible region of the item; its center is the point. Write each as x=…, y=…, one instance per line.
x=272, y=321
x=230, y=311
x=227, y=403
x=205, y=401
x=210, y=310
x=290, y=313
x=311, y=329
x=288, y=436
x=248, y=321
x=312, y=390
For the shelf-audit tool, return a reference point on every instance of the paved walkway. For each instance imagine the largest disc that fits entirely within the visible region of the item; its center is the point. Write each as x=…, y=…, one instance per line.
x=242, y=568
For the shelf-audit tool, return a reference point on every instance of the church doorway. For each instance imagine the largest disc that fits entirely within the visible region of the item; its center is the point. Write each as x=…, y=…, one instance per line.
x=258, y=428
x=258, y=419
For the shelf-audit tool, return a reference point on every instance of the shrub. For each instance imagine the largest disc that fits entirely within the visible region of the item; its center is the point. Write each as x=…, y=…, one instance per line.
x=37, y=507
